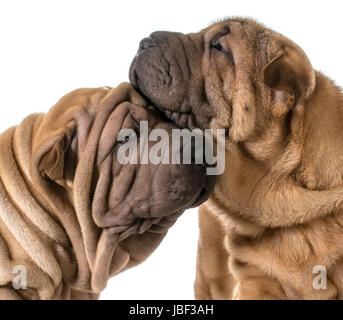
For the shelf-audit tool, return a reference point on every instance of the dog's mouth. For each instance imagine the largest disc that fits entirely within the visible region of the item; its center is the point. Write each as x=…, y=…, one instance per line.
x=184, y=120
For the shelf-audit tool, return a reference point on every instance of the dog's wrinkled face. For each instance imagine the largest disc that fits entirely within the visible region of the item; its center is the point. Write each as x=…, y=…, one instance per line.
x=121, y=192
x=235, y=74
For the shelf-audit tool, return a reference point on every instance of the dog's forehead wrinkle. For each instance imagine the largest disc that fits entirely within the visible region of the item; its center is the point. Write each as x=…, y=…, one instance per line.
x=187, y=61
x=193, y=42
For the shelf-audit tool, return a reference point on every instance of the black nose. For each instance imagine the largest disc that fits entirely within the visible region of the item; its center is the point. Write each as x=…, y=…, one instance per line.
x=145, y=44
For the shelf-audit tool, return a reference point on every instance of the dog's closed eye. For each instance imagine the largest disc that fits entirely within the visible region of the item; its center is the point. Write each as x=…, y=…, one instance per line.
x=216, y=44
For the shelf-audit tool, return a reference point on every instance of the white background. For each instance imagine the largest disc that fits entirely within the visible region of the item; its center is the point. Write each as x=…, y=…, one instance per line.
x=48, y=48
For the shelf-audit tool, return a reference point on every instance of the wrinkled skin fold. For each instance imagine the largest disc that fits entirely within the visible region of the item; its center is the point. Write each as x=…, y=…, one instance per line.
x=70, y=213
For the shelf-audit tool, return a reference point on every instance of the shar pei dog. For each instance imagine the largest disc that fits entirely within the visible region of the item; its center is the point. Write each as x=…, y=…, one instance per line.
x=71, y=215
x=273, y=227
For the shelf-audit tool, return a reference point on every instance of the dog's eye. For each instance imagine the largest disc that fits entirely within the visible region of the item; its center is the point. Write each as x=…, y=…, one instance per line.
x=215, y=41
x=215, y=44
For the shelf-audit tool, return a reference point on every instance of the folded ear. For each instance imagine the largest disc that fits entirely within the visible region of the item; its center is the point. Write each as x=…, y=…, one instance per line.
x=291, y=76
x=52, y=161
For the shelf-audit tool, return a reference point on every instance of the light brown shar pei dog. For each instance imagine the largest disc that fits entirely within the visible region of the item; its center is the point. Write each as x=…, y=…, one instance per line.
x=273, y=228
x=71, y=215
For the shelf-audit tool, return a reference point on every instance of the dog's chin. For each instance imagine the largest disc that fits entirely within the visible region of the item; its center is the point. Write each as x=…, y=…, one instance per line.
x=206, y=191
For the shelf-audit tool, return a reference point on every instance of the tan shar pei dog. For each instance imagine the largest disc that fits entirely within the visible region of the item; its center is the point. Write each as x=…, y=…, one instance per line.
x=71, y=215
x=273, y=227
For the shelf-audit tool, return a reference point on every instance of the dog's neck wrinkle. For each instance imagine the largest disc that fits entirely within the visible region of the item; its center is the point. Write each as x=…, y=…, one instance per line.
x=266, y=148
x=22, y=209
x=22, y=155
x=58, y=214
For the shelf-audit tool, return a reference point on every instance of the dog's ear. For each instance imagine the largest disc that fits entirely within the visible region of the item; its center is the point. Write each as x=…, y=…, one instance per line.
x=291, y=76
x=53, y=153
x=51, y=164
